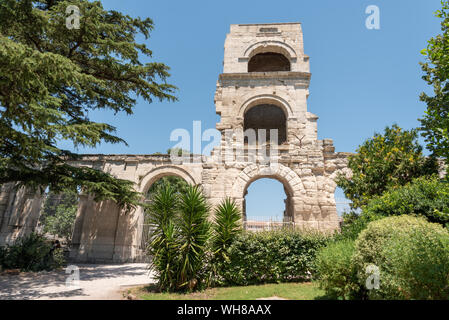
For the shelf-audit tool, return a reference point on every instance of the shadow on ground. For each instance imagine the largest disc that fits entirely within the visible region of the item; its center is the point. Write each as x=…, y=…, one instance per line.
x=94, y=279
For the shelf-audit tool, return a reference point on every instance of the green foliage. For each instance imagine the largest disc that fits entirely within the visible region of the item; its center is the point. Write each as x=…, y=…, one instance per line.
x=163, y=245
x=384, y=161
x=194, y=233
x=353, y=224
x=179, y=237
x=425, y=196
x=373, y=239
x=272, y=256
x=62, y=223
x=54, y=200
x=419, y=263
x=52, y=77
x=435, y=123
x=227, y=225
x=336, y=273
x=31, y=253
x=178, y=184
x=410, y=253
x=59, y=214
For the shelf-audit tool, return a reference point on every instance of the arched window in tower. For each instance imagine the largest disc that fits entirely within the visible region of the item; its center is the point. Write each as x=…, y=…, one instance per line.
x=266, y=116
x=268, y=62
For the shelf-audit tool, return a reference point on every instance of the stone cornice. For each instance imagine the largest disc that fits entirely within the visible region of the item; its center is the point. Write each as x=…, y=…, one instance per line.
x=128, y=158
x=278, y=75
x=120, y=157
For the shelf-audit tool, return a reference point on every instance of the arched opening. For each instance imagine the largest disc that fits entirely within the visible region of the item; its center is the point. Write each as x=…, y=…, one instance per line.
x=268, y=62
x=267, y=117
x=176, y=182
x=267, y=204
x=57, y=216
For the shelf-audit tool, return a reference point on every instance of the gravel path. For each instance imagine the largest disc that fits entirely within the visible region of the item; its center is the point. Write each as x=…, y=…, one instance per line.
x=97, y=282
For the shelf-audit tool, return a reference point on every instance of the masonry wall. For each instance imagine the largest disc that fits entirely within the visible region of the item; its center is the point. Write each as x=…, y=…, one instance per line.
x=104, y=232
x=19, y=212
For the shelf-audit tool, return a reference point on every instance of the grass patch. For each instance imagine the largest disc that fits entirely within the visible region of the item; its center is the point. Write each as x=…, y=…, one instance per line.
x=291, y=291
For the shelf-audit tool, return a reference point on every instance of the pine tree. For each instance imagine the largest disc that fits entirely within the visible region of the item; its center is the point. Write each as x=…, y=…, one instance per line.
x=52, y=76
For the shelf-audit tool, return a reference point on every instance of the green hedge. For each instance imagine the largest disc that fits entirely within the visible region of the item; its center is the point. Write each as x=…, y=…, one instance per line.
x=425, y=196
x=272, y=256
x=336, y=272
x=412, y=256
x=428, y=197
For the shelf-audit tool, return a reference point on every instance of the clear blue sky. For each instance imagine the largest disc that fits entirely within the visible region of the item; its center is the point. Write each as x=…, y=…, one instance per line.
x=362, y=80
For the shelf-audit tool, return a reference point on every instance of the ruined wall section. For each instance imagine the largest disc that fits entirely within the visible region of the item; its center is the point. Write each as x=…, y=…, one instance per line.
x=19, y=212
x=103, y=231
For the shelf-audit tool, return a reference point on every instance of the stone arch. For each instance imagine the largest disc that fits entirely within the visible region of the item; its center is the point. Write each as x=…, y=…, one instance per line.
x=291, y=181
x=266, y=117
x=269, y=46
x=145, y=184
x=331, y=184
x=269, y=62
x=266, y=99
x=164, y=171
x=289, y=213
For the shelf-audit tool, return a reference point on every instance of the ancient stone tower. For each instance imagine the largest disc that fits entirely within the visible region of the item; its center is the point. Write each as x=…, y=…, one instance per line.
x=264, y=86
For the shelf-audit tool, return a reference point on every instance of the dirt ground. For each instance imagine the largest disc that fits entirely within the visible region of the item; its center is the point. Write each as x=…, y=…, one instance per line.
x=96, y=282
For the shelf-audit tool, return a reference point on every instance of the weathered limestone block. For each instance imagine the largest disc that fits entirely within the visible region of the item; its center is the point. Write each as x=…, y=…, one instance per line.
x=19, y=212
x=105, y=233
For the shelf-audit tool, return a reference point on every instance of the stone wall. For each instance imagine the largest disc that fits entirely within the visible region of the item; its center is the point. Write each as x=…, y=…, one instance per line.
x=19, y=211
x=105, y=233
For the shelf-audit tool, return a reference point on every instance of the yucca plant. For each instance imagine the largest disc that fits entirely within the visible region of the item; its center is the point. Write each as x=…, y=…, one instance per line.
x=227, y=224
x=164, y=242
x=194, y=233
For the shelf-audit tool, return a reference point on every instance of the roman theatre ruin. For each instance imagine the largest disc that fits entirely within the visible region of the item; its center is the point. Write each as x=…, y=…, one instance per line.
x=264, y=85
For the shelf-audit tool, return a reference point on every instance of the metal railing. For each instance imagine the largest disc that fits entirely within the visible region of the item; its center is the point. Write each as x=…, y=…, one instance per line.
x=264, y=223
x=267, y=225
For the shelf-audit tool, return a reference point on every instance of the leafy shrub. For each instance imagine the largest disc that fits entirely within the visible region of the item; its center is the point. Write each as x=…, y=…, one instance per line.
x=353, y=224
x=31, y=253
x=62, y=223
x=419, y=263
x=59, y=214
x=386, y=160
x=412, y=255
x=272, y=256
x=428, y=197
x=336, y=273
